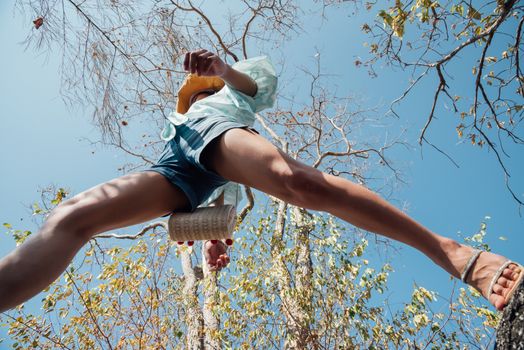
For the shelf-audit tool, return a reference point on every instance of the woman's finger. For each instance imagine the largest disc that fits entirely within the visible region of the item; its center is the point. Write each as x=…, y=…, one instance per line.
x=193, y=59
x=223, y=260
x=204, y=62
x=193, y=62
x=186, y=61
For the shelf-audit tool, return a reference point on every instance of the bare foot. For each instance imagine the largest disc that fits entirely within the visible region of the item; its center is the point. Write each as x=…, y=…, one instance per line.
x=483, y=271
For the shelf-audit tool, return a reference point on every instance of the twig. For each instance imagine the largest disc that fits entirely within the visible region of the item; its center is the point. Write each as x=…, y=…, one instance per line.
x=136, y=235
x=106, y=36
x=93, y=318
x=441, y=86
x=209, y=24
x=488, y=31
x=247, y=208
x=58, y=343
x=492, y=146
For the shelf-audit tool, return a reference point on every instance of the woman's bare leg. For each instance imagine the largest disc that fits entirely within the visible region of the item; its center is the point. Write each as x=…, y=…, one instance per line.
x=245, y=157
x=121, y=202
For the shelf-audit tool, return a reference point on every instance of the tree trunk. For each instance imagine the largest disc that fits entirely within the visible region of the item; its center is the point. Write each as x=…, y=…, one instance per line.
x=211, y=321
x=302, y=312
x=280, y=272
x=510, y=332
x=194, y=320
x=296, y=304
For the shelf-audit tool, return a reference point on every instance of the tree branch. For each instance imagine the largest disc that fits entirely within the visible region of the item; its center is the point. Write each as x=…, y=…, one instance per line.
x=147, y=228
x=209, y=24
x=249, y=205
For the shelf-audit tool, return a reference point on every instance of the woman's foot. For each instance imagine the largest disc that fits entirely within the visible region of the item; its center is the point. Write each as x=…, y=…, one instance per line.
x=484, y=269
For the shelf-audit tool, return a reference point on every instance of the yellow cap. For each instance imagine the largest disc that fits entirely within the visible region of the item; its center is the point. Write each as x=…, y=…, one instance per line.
x=193, y=84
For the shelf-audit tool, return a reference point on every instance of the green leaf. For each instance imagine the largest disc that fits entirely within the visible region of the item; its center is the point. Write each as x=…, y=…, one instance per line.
x=458, y=9
x=473, y=13
x=59, y=197
x=388, y=20
x=36, y=209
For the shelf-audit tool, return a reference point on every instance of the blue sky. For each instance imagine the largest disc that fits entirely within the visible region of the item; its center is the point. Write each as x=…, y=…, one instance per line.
x=43, y=143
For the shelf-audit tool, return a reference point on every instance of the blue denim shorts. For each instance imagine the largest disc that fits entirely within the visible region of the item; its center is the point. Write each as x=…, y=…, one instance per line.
x=180, y=160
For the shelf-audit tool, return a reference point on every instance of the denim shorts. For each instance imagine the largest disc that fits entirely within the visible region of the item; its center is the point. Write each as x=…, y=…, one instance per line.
x=180, y=160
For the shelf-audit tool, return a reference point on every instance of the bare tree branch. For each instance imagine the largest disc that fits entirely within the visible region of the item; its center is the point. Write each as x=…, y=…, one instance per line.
x=140, y=233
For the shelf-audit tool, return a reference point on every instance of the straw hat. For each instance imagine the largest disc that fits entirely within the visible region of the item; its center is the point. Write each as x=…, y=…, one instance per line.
x=193, y=84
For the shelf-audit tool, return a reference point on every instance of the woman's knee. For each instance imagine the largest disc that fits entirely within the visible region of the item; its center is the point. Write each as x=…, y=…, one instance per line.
x=70, y=218
x=305, y=187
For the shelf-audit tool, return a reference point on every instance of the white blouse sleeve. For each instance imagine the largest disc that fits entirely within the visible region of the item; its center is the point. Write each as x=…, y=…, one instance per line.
x=263, y=73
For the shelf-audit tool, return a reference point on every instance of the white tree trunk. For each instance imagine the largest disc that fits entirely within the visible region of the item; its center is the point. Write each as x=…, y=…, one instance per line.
x=211, y=321
x=194, y=319
x=299, y=311
x=281, y=274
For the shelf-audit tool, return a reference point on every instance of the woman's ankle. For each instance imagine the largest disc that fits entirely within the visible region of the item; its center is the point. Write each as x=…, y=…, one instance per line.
x=452, y=257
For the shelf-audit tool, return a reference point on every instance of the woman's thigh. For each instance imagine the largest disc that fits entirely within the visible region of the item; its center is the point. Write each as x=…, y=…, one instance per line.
x=124, y=201
x=245, y=157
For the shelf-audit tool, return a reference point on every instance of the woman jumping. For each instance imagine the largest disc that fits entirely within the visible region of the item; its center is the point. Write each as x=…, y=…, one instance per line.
x=209, y=143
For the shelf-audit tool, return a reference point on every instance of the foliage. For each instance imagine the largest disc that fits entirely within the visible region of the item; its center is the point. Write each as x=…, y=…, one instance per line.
x=116, y=297
x=111, y=298
x=425, y=36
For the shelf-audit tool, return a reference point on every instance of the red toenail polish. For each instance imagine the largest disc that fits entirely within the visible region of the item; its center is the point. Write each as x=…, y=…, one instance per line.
x=214, y=241
x=190, y=243
x=180, y=243
x=229, y=241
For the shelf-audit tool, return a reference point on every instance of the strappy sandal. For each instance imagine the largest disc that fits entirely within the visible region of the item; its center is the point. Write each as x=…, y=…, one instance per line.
x=496, y=276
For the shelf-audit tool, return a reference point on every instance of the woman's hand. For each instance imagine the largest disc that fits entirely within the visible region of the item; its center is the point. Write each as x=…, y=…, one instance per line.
x=216, y=255
x=204, y=63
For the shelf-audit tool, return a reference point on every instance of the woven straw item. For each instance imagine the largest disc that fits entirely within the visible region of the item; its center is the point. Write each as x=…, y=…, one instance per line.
x=203, y=224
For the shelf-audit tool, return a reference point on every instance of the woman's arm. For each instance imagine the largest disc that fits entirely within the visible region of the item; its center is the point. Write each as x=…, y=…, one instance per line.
x=205, y=63
x=239, y=81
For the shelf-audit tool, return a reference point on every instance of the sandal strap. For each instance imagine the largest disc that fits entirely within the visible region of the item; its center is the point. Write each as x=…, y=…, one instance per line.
x=497, y=275
x=471, y=261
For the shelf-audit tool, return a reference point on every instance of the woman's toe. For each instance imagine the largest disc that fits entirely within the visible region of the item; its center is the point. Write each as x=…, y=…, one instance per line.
x=498, y=290
x=502, y=288
x=497, y=300
x=509, y=273
x=503, y=281
x=514, y=267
